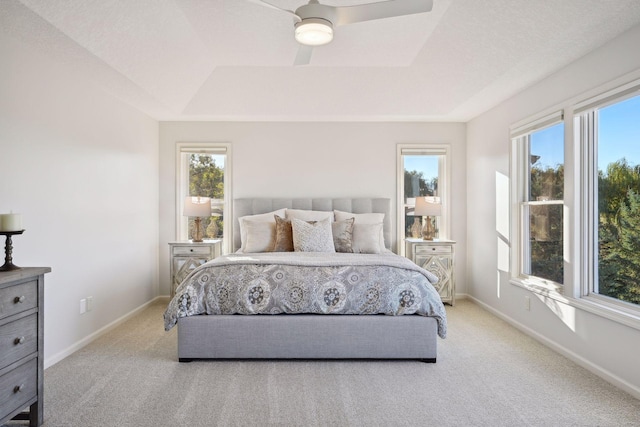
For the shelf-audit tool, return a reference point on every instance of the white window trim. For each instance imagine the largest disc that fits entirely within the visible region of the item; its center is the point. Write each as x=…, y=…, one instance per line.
x=592, y=304
x=577, y=216
x=444, y=182
x=519, y=179
x=211, y=148
x=585, y=121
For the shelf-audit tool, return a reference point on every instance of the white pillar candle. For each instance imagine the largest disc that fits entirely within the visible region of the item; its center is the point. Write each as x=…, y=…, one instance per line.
x=10, y=222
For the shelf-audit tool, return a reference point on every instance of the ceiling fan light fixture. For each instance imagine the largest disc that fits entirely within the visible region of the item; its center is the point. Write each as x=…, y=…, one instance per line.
x=314, y=32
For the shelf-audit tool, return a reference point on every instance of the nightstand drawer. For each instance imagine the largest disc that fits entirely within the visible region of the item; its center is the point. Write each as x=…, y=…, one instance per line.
x=191, y=250
x=424, y=250
x=18, y=339
x=18, y=298
x=18, y=387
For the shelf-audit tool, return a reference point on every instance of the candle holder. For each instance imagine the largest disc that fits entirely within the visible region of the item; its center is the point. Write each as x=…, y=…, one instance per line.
x=8, y=250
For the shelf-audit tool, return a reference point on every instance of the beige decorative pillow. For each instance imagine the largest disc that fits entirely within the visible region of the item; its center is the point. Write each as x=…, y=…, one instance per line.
x=362, y=219
x=366, y=238
x=305, y=215
x=284, y=235
x=312, y=236
x=261, y=236
x=266, y=217
x=342, y=235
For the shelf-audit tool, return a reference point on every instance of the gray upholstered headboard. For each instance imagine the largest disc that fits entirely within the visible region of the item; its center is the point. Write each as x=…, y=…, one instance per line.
x=242, y=207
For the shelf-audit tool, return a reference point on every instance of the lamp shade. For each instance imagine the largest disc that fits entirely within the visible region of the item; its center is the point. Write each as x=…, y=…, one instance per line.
x=410, y=206
x=428, y=206
x=217, y=207
x=197, y=206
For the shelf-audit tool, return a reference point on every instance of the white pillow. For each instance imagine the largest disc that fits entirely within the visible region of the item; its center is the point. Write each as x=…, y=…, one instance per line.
x=309, y=215
x=366, y=239
x=261, y=236
x=266, y=217
x=312, y=236
x=360, y=233
x=363, y=218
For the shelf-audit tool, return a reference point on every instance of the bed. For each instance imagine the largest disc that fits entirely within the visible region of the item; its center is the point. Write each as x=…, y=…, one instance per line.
x=265, y=304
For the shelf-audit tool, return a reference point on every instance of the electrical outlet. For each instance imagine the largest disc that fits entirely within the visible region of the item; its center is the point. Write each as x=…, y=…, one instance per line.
x=527, y=303
x=89, y=303
x=83, y=306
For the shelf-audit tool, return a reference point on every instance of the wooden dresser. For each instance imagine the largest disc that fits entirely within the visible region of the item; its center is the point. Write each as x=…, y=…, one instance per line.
x=22, y=344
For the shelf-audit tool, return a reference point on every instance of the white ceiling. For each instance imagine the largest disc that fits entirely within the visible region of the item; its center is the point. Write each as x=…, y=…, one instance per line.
x=232, y=60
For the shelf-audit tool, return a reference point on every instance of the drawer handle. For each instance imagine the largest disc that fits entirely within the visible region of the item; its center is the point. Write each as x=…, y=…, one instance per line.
x=190, y=250
x=19, y=341
x=18, y=388
x=19, y=300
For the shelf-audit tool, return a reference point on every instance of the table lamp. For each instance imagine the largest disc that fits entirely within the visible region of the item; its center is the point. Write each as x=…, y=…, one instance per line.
x=198, y=207
x=429, y=207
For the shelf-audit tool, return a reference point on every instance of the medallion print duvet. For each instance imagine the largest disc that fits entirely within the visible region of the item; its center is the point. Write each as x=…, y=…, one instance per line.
x=308, y=282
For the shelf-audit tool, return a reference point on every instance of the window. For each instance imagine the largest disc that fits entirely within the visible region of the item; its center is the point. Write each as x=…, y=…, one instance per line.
x=422, y=171
x=575, y=238
x=538, y=150
x=610, y=136
x=203, y=169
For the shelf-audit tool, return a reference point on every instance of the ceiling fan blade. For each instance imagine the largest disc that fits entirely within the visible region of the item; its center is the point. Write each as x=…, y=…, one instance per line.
x=272, y=6
x=380, y=10
x=303, y=57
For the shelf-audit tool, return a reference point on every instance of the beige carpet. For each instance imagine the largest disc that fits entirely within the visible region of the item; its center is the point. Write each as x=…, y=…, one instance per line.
x=487, y=374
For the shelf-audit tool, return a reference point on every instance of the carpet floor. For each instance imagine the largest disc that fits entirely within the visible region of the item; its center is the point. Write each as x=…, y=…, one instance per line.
x=487, y=374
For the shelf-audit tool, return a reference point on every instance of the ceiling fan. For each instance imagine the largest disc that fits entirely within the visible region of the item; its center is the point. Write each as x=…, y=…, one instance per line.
x=314, y=22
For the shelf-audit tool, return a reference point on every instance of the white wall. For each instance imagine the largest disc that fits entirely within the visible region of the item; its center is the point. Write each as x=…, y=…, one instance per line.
x=606, y=347
x=312, y=160
x=82, y=168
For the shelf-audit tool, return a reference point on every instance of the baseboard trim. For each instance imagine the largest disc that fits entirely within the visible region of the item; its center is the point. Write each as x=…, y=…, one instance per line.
x=462, y=296
x=50, y=361
x=588, y=365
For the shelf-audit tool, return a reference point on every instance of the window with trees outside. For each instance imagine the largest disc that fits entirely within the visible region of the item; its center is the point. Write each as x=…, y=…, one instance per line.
x=422, y=171
x=609, y=132
x=603, y=188
x=539, y=151
x=203, y=170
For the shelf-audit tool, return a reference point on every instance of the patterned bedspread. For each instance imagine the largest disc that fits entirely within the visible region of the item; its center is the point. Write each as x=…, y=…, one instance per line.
x=307, y=282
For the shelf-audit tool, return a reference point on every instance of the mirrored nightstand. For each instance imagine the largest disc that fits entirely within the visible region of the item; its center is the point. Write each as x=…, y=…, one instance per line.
x=186, y=256
x=437, y=257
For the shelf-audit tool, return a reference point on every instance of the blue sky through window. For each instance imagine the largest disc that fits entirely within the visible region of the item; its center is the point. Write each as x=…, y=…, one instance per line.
x=619, y=133
x=618, y=137
x=427, y=164
x=547, y=147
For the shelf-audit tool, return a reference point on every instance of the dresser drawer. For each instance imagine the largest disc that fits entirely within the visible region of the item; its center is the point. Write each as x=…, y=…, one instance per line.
x=17, y=298
x=191, y=250
x=18, y=339
x=425, y=250
x=19, y=387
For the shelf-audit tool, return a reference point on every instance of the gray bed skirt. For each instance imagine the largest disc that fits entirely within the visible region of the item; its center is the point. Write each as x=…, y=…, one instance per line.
x=303, y=336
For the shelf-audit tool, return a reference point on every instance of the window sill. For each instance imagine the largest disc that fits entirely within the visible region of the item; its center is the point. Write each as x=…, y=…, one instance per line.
x=596, y=305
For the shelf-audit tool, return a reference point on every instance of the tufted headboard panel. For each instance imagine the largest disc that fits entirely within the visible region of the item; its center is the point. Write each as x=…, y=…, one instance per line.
x=252, y=206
